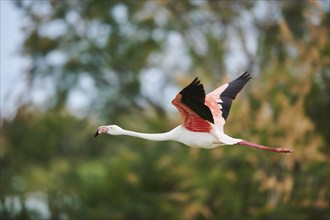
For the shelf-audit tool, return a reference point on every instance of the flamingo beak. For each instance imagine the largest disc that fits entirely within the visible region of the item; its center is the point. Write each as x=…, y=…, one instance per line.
x=101, y=130
x=97, y=133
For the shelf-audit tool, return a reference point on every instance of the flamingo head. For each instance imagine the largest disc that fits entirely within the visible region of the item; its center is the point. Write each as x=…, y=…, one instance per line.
x=109, y=129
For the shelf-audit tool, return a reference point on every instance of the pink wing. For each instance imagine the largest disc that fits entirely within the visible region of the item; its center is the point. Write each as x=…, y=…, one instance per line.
x=190, y=101
x=220, y=100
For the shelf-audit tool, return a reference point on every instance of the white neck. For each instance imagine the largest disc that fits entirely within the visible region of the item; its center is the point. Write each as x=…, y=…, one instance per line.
x=153, y=137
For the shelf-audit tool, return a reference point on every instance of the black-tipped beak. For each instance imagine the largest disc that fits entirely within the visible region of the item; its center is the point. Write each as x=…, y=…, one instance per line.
x=97, y=133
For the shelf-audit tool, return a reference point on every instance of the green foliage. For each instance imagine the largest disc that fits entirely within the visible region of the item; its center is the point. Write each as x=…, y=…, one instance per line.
x=49, y=154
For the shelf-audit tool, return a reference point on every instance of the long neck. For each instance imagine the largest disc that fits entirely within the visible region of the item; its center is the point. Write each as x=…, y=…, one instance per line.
x=153, y=137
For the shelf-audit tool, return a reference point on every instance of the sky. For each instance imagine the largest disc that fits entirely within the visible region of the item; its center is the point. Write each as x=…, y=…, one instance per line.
x=14, y=87
x=12, y=63
x=12, y=82
x=14, y=90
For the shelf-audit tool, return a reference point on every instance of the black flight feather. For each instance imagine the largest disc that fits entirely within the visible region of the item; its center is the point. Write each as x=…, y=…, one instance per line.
x=230, y=93
x=193, y=96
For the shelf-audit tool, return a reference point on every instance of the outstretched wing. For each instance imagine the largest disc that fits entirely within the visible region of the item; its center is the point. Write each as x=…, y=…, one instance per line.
x=195, y=115
x=221, y=99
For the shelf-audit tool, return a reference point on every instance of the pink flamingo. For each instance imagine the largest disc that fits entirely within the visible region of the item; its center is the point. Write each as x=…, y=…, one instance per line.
x=203, y=118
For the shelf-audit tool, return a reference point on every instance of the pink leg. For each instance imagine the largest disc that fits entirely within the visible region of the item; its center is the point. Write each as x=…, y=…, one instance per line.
x=277, y=150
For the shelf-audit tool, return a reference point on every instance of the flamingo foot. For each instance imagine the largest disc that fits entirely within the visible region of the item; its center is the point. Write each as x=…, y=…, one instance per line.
x=257, y=146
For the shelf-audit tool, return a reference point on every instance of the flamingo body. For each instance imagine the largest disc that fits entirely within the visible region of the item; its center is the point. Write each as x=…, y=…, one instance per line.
x=200, y=139
x=202, y=118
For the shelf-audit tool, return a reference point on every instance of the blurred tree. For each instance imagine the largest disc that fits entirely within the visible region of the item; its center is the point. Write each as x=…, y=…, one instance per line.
x=50, y=154
x=112, y=43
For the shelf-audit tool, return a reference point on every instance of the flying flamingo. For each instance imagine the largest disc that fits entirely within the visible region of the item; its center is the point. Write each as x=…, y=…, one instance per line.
x=203, y=117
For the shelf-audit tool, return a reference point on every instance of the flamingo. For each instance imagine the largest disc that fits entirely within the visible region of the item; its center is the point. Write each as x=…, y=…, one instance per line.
x=202, y=118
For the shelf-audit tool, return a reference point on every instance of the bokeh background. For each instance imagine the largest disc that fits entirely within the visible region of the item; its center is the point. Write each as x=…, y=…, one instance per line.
x=88, y=63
